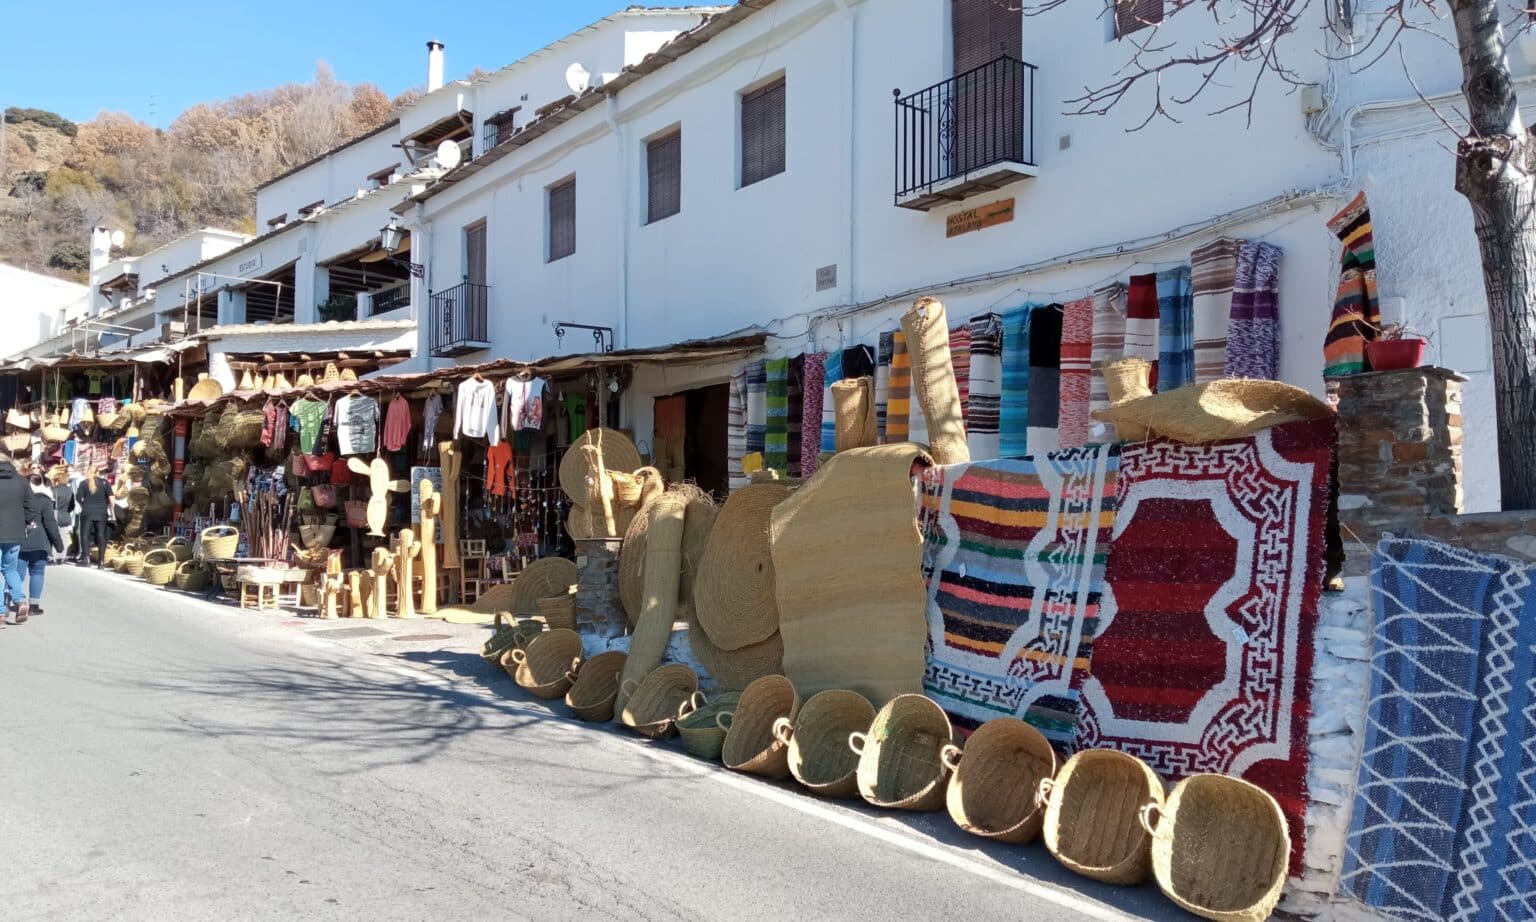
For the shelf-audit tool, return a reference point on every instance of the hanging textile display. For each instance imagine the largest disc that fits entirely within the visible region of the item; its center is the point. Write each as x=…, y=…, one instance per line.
x=833, y=371
x=1213, y=271
x=776, y=432
x=812, y=394
x=736, y=430
x=1141, y=322
x=1013, y=407
x=1044, y=377
x=1108, y=345
x=1203, y=659
x=960, y=358
x=1175, y=329
x=1014, y=561
x=1253, y=334
x=796, y=409
x=898, y=406
x=885, y=349
x=1356, y=312
x=182, y=427
x=1076, y=370
x=986, y=390
x=757, y=414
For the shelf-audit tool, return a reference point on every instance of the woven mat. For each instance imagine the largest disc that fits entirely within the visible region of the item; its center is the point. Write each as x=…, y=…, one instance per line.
x=1014, y=553
x=1444, y=820
x=1203, y=661
x=848, y=556
x=733, y=589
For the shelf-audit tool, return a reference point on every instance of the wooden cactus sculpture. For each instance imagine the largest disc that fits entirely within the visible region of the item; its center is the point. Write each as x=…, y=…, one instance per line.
x=406, y=550
x=379, y=487
x=357, y=596
x=330, y=588
x=383, y=565
x=431, y=508
x=451, y=461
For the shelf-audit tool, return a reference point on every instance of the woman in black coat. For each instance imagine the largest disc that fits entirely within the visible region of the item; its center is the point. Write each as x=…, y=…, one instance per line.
x=40, y=542
x=93, y=499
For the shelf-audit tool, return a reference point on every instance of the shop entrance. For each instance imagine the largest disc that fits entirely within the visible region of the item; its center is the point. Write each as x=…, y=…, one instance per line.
x=691, y=441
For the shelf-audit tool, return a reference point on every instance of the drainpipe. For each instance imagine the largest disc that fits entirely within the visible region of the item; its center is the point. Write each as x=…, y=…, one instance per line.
x=850, y=101
x=621, y=326
x=421, y=307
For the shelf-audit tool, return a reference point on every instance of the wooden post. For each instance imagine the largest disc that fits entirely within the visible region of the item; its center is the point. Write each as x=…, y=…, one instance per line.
x=330, y=588
x=451, y=461
x=383, y=564
x=406, y=549
x=357, y=598
x=431, y=507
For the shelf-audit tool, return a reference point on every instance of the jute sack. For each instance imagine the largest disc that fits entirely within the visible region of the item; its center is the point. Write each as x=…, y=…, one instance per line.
x=848, y=556
x=1228, y=409
x=933, y=380
x=819, y=755
x=733, y=593
x=1092, y=815
x=853, y=403
x=750, y=743
x=900, y=763
x=663, y=574
x=995, y=781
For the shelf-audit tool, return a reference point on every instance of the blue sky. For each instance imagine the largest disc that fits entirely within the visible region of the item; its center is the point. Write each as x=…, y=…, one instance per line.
x=161, y=56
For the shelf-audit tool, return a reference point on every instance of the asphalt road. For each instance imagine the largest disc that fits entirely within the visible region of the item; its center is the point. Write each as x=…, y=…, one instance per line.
x=164, y=758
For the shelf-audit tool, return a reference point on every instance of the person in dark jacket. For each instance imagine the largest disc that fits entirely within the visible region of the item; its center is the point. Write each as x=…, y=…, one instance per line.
x=94, y=500
x=40, y=541
x=17, y=511
x=64, y=511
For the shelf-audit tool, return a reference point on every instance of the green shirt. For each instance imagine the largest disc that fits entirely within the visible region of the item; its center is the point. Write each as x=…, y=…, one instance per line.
x=310, y=414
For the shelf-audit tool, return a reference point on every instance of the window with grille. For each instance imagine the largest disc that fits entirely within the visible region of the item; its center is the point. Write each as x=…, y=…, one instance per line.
x=664, y=177
x=1131, y=15
x=762, y=133
x=562, y=220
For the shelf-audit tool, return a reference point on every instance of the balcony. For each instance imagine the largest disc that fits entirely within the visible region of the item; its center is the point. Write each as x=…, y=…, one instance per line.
x=968, y=135
x=461, y=320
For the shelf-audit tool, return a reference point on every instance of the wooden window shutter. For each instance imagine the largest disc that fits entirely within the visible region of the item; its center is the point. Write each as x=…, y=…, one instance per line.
x=985, y=30
x=562, y=220
x=1131, y=15
x=474, y=254
x=762, y=133
x=664, y=177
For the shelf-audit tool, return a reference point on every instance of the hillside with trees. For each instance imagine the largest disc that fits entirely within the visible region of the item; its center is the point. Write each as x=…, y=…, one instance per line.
x=58, y=178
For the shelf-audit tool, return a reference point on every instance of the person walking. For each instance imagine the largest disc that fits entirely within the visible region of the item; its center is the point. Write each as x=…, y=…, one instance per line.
x=41, y=542
x=16, y=512
x=64, y=511
x=94, y=501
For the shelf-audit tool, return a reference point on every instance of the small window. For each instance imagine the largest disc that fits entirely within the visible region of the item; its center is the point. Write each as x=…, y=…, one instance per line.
x=562, y=220
x=762, y=133
x=1131, y=15
x=664, y=177
x=278, y=221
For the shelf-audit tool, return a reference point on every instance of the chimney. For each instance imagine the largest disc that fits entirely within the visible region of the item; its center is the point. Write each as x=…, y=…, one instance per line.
x=101, y=254
x=434, y=65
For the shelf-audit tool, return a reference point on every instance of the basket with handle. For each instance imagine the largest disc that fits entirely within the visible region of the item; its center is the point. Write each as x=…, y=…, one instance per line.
x=1092, y=815
x=595, y=686
x=509, y=633
x=699, y=726
x=899, y=763
x=221, y=542
x=133, y=564
x=559, y=611
x=994, y=782
x=191, y=576
x=181, y=547
x=1220, y=848
x=544, y=667
x=160, y=566
x=654, y=701
x=819, y=757
x=750, y=744
x=113, y=551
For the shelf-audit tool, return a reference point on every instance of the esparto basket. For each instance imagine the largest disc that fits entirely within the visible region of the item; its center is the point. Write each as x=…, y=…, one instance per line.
x=221, y=542
x=595, y=686
x=655, y=700
x=133, y=564
x=559, y=611
x=698, y=724
x=181, y=547
x=899, y=763
x=191, y=576
x=1092, y=815
x=750, y=743
x=160, y=566
x=509, y=634
x=819, y=756
x=995, y=780
x=544, y=667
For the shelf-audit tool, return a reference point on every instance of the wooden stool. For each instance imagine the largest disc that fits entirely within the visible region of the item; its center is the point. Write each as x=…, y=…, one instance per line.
x=258, y=596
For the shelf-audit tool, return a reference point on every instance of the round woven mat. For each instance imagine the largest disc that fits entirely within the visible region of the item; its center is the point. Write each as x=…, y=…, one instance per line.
x=734, y=670
x=618, y=454
x=733, y=590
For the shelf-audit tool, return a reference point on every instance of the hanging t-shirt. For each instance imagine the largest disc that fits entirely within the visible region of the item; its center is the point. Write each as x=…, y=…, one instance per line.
x=310, y=414
x=357, y=425
x=431, y=409
x=575, y=415
x=499, y=473
x=512, y=407
x=533, y=406
x=93, y=379
x=397, y=424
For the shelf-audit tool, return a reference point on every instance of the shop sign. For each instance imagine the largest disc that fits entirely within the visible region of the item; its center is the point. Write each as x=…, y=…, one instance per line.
x=249, y=265
x=979, y=218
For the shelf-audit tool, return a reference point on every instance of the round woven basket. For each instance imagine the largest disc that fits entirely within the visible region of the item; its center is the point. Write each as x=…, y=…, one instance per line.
x=750, y=744
x=133, y=564
x=545, y=667
x=181, y=547
x=559, y=611
x=698, y=724
x=160, y=566
x=545, y=578
x=1220, y=848
x=1092, y=822
x=733, y=592
x=994, y=782
x=653, y=705
x=899, y=758
x=618, y=453
x=191, y=576
x=509, y=634
x=595, y=687
x=220, y=542
x=819, y=756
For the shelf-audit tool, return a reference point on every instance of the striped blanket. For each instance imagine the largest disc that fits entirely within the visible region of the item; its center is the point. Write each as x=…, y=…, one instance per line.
x=776, y=432
x=811, y=415
x=833, y=371
x=736, y=430
x=1214, y=270
x=1014, y=557
x=1253, y=335
x=1356, y=312
x=1175, y=329
x=757, y=407
x=1076, y=370
x=1444, y=820
x=1108, y=345
x=960, y=357
x=1044, y=377
x=884, y=351
x=1141, y=323
x=898, y=407
x=986, y=385
x=796, y=407
x=1013, y=408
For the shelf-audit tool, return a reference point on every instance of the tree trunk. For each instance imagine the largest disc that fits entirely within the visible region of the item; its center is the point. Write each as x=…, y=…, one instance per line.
x=1496, y=172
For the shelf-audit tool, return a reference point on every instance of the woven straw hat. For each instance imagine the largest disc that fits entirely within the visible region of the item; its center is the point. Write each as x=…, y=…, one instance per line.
x=206, y=388
x=246, y=381
x=733, y=591
x=617, y=451
x=305, y=380
x=1227, y=409
x=331, y=373
x=348, y=374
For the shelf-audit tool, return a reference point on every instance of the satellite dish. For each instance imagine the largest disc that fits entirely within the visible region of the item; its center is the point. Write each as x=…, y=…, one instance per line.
x=449, y=155
x=119, y=238
x=577, y=78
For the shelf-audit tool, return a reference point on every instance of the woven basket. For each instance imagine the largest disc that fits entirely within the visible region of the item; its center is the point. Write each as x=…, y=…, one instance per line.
x=545, y=578
x=181, y=547
x=221, y=542
x=133, y=564
x=596, y=686
x=654, y=702
x=160, y=566
x=191, y=576
x=55, y=434
x=899, y=763
x=545, y=667
x=750, y=744
x=819, y=756
x=626, y=488
x=1092, y=822
x=509, y=634
x=618, y=453
x=699, y=726
x=994, y=782
x=559, y=612
x=18, y=443
x=1220, y=848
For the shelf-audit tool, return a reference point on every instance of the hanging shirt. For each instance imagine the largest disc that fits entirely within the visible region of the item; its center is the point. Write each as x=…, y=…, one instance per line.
x=397, y=424
x=499, y=472
x=357, y=425
x=533, y=406
x=93, y=381
x=512, y=409
x=576, y=415
x=431, y=409
x=310, y=415
x=327, y=426
x=474, y=414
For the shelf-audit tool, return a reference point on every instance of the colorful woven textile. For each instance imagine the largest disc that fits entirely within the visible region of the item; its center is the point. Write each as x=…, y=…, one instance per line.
x=1076, y=370
x=1203, y=661
x=757, y=407
x=1213, y=269
x=986, y=385
x=884, y=351
x=1014, y=558
x=813, y=393
x=1253, y=335
x=1141, y=323
x=1175, y=329
x=1013, y=408
x=736, y=430
x=898, y=402
x=1044, y=377
x=833, y=371
x=1444, y=820
x=960, y=357
x=1108, y=345
x=1356, y=312
x=795, y=406
x=776, y=434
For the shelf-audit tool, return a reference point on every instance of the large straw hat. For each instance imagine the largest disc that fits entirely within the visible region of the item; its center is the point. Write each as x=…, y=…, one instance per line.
x=206, y=388
x=1227, y=409
x=733, y=592
x=617, y=451
x=542, y=579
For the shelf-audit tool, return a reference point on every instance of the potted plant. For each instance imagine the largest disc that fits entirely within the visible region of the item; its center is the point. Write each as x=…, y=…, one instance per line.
x=1398, y=347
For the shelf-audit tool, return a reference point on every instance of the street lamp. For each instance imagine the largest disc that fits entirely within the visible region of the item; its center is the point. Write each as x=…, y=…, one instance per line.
x=390, y=238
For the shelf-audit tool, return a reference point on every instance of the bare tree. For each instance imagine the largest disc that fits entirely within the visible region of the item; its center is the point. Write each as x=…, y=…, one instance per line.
x=1495, y=154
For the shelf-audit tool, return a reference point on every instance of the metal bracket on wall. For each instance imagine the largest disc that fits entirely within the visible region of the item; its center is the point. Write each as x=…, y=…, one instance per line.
x=603, y=336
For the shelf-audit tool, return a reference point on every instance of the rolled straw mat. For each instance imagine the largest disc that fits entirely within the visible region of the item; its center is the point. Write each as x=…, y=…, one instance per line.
x=542, y=579
x=663, y=575
x=849, y=557
x=853, y=402
x=933, y=380
x=1228, y=409
x=618, y=453
x=700, y=519
x=733, y=595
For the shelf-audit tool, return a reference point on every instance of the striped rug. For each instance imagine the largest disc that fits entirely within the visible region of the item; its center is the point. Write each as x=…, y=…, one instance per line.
x=776, y=433
x=1013, y=409
x=736, y=430
x=960, y=357
x=1214, y=270
x=884, y=349
x=757, y=408
x=811, y=415
x=898, y=406
x=1141, y=326
x=832, y=369
x=1356, y=312
x=1108, y=345
x=986, y=385
x=1076, y=370
x=795, y=409
x=1175, y=329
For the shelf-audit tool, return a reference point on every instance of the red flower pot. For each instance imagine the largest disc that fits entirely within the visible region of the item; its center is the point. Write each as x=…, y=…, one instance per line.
x=1395, y=354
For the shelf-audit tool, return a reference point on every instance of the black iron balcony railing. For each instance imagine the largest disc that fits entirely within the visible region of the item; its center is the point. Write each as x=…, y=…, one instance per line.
x=964, y=127
x=460, y=320
x=385, y=301
x=496, y=130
